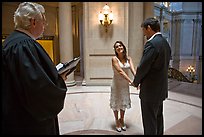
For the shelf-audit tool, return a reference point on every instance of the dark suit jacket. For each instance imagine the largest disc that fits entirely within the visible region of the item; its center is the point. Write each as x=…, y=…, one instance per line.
x=152, y=71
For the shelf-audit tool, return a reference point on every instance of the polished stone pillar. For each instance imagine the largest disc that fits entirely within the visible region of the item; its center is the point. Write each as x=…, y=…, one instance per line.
x=148, y=9
x=176, y=36
x=65, y=37
x=200, y=51
x=138, y=12
x=135, y=34
x=198, y=48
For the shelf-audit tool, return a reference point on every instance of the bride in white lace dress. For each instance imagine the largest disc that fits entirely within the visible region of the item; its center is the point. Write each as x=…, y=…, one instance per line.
x=120, y=95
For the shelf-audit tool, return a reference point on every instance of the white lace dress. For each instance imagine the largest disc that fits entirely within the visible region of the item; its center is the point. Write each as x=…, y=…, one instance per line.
x=120, y=95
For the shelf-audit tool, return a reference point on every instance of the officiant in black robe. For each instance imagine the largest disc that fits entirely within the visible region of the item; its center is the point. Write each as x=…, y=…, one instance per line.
x=33, y=92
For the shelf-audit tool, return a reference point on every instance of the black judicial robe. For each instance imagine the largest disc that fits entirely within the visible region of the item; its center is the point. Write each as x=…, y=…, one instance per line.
x=33, y=92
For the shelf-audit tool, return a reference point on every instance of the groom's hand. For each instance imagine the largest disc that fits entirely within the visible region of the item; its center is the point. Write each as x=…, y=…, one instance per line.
x=138, y=87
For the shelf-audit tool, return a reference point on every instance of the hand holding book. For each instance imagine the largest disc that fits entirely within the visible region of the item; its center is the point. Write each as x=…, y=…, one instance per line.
x=70, y=71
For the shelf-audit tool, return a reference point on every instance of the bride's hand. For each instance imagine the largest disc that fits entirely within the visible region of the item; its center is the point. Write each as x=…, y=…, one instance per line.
x=132, y=84
x=138, y=87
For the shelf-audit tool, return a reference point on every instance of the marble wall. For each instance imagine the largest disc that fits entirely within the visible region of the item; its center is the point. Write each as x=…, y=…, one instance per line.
x=98, y=44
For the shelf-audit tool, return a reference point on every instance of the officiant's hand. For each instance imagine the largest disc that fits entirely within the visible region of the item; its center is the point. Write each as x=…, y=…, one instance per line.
x=64, y=76
x=70, y=71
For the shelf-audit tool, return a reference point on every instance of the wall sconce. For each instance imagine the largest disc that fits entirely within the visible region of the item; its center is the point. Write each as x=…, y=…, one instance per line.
x=191, y=71
x=106, y=17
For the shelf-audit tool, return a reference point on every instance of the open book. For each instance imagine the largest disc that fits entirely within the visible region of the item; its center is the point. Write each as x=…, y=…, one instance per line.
x=68, y=66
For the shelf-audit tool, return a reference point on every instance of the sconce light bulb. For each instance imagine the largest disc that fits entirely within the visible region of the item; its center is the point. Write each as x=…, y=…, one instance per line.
x=100, y=16
x=111, y=16
x=106, y=9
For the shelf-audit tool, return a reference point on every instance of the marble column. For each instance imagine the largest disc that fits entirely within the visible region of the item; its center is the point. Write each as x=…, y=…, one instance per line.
x=65, y=37
x=198, y=49
x=135, y=34
x=176, y=43
x=148, y=9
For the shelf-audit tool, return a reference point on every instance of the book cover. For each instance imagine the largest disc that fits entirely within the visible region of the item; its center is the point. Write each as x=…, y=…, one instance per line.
x=68, y=66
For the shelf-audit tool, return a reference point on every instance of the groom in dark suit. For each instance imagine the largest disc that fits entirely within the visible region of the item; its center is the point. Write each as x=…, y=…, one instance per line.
x=152, y=77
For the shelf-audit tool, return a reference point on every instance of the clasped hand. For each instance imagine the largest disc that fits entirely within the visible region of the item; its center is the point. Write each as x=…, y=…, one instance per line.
x=132, y=84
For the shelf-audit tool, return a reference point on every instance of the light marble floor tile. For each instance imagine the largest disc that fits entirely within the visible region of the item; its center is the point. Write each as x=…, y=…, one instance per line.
x=87, y=111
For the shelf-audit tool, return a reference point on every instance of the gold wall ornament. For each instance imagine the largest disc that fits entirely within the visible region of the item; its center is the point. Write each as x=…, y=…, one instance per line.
x=106, y=17
x=191, y=71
